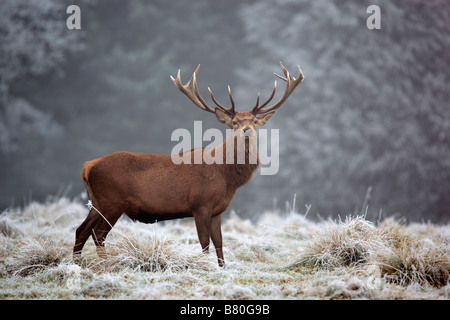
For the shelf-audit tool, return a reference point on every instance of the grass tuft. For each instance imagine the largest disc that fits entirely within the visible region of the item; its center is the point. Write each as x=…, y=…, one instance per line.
x=402, y=257
x=153, y=252
x=35, y=255
x=410, y=259
x=343, y=243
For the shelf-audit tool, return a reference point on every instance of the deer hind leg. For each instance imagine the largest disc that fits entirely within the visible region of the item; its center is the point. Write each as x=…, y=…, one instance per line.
x=216, y=237
x=83, y=233
x=202, y=220
x=101, y=230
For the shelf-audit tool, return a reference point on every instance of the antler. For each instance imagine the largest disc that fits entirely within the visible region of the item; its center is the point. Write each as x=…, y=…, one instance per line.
x=291, y=84
x=230, y=110
x=191, y=91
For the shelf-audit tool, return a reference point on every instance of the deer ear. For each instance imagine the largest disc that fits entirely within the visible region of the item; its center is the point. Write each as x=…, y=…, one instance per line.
x=262, y=119
x=223, y=117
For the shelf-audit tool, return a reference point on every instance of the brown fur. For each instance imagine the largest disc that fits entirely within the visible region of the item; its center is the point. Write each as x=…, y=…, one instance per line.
x=150, y=187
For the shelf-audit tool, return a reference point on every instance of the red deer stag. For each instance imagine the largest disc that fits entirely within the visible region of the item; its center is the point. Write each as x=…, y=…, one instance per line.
x=150, y=187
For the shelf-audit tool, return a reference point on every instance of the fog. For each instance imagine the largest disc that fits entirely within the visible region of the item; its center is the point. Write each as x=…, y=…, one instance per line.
x=367, y=132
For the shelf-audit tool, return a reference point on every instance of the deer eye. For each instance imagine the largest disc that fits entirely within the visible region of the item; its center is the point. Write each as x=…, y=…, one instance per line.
x=235, y=122
x=255, y=121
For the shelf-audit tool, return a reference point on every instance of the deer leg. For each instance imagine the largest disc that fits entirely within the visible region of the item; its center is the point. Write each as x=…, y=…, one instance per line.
x=83, y=233
x=216, y=237
x=99, y=236
x=100, y=231
x=202, y=220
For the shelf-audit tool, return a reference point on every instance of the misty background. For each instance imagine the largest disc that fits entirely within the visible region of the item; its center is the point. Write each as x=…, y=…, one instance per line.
x=368, y=128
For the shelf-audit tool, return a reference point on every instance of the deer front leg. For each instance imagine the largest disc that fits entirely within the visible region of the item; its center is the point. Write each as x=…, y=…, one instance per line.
x=202, y=219
x=216, y=237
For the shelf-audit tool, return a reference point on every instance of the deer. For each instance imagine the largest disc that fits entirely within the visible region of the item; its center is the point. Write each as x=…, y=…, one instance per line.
x=150, y=187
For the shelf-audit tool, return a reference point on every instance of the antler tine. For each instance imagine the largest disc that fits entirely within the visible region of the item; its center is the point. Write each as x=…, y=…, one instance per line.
x=259, y=107
x=230, y=110
x=215, y=101
x=257, y=101
x=282, y=78
x=191, y=91
x=291, y=84
x=286, y=73
x=231, y=100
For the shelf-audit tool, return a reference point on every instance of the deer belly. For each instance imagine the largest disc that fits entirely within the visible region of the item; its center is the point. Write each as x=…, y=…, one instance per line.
x=152, y=217
x=157, y=208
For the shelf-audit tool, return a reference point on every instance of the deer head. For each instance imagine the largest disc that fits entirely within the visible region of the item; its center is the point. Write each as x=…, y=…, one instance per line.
x=247, y=121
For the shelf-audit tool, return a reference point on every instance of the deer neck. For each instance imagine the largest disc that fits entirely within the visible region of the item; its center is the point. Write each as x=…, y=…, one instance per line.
x=240, y=159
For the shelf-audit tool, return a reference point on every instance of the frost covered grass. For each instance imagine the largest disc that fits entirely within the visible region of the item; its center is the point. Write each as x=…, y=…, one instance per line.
x=280, y=256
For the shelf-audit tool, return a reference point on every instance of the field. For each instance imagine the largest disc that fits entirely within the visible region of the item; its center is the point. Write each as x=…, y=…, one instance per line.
x=283, y=255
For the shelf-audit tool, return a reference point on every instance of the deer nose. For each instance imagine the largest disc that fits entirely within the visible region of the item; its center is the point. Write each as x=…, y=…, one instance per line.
x=248, y=131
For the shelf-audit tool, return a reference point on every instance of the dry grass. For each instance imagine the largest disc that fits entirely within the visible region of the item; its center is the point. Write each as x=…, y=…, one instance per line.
x=281, y=256
x=402, y=256
x=35, y=255
x=346, y=243
x=410, y=258
x=153, y=253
